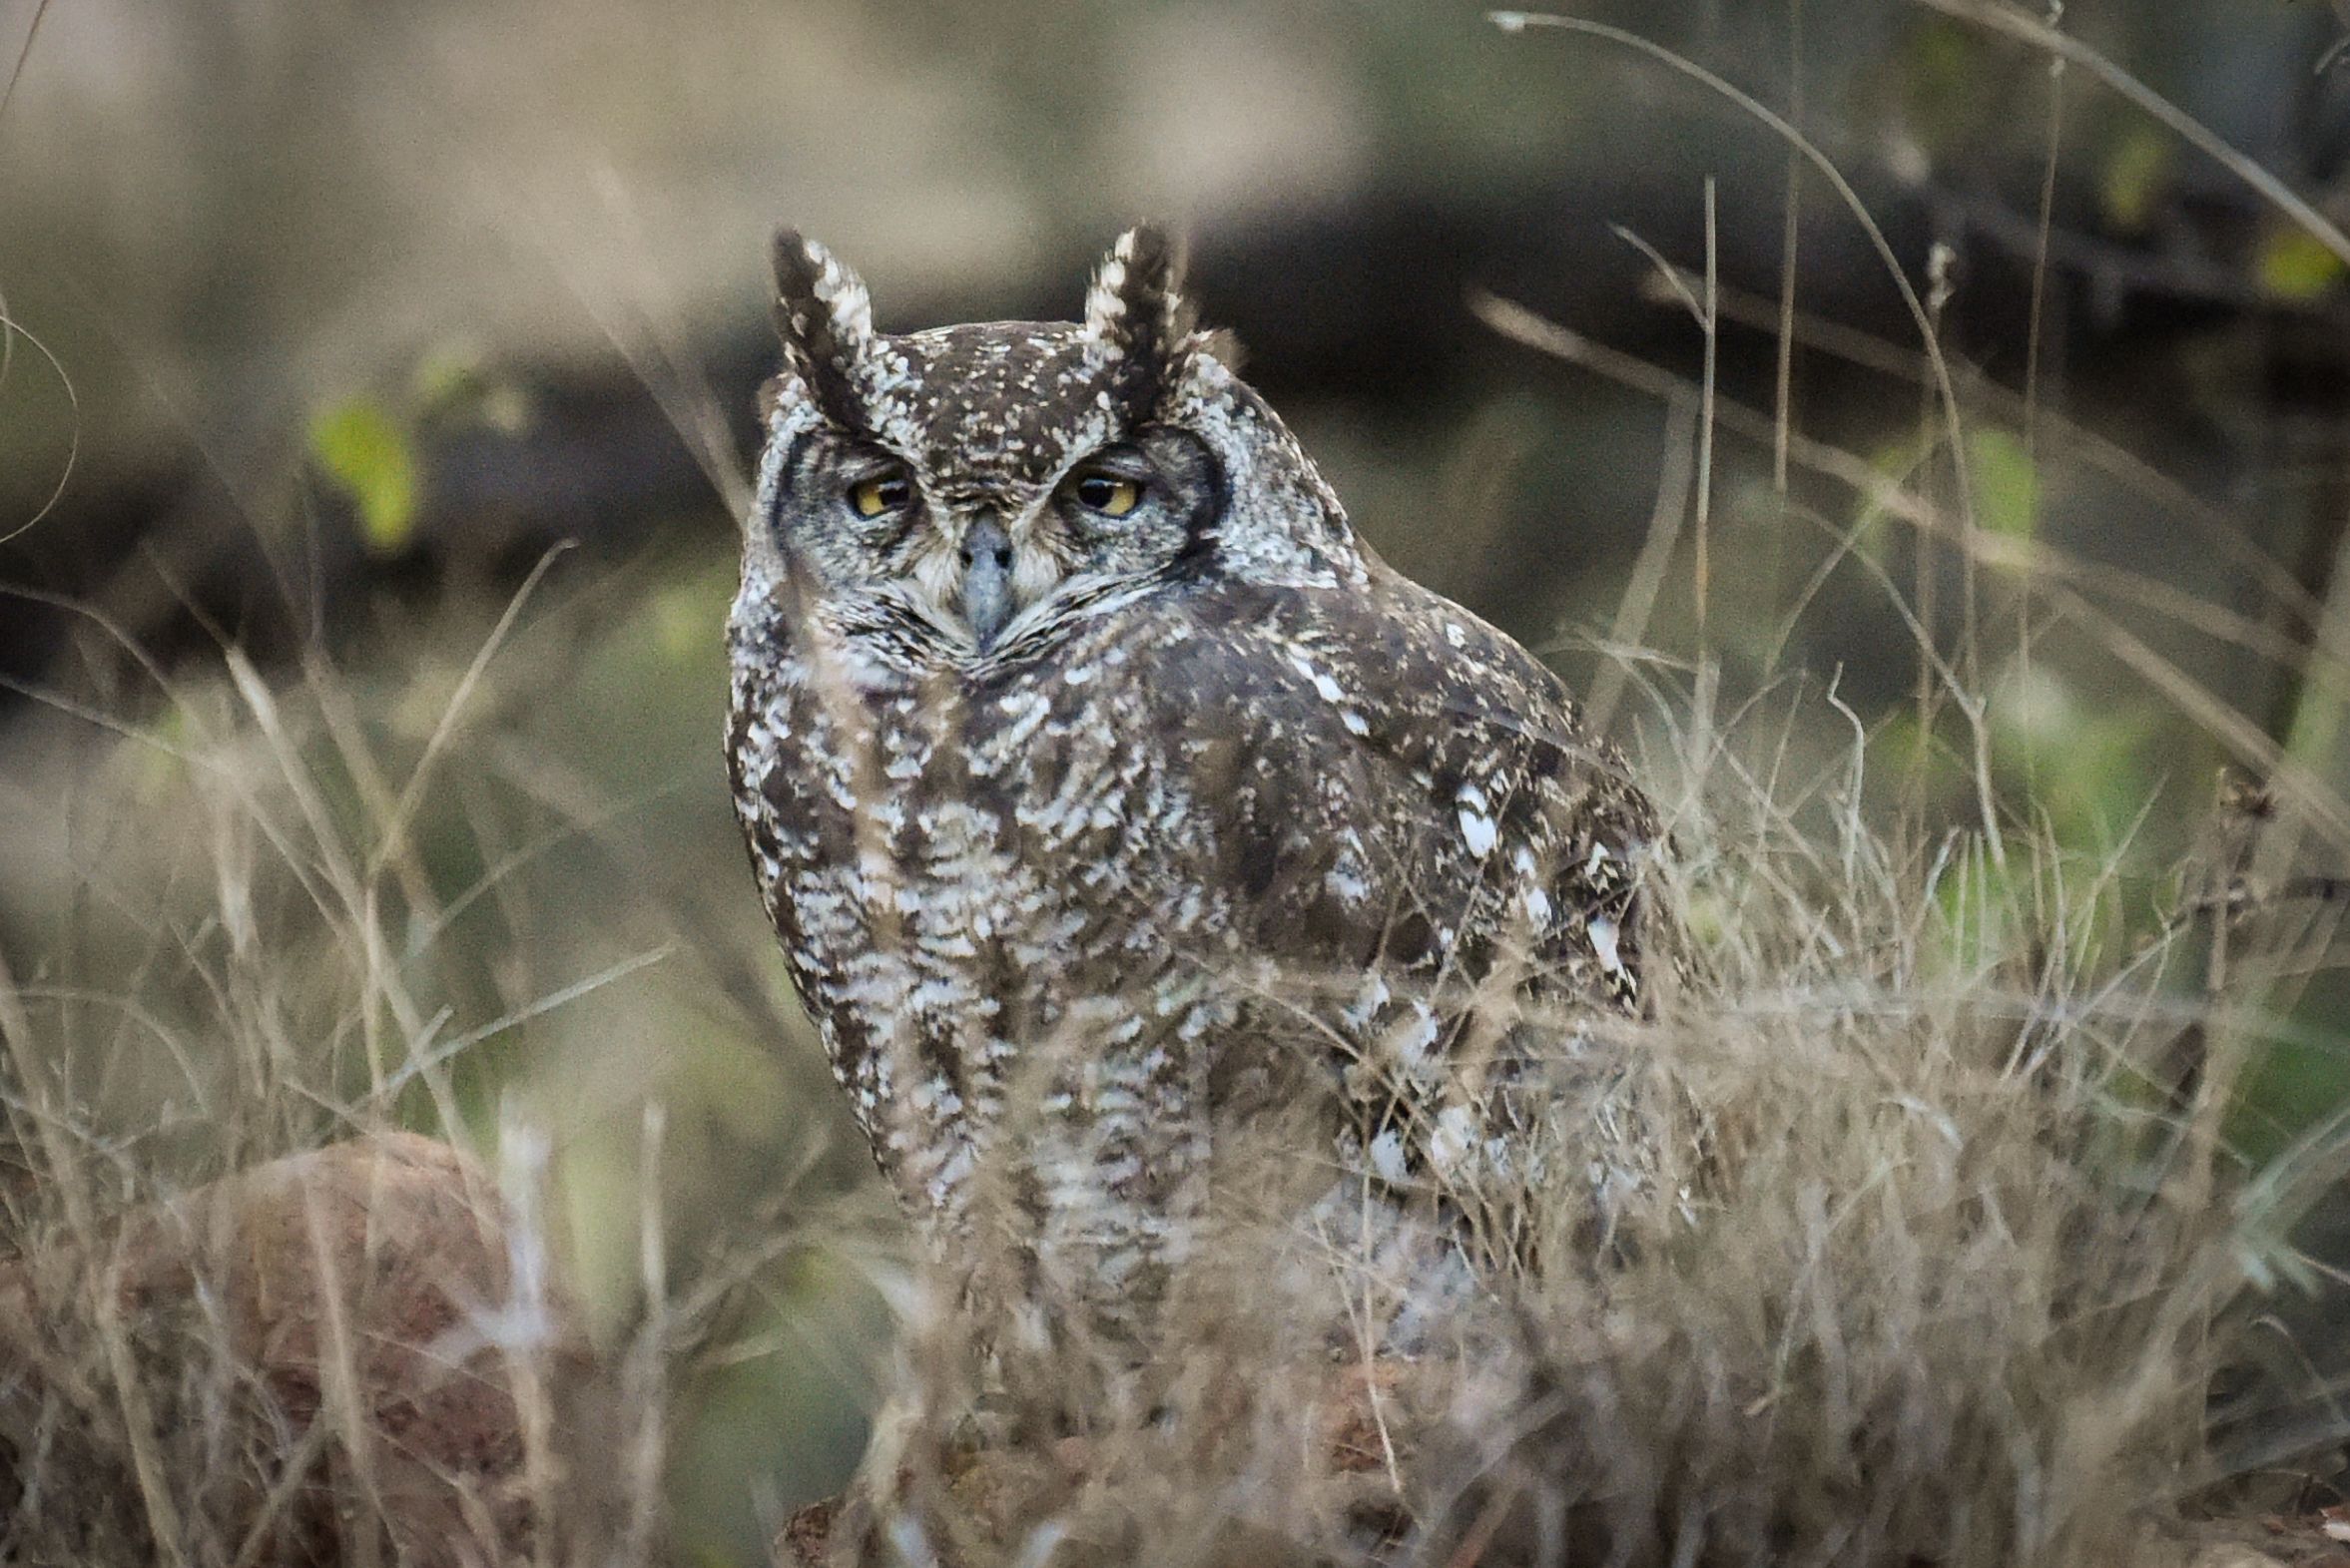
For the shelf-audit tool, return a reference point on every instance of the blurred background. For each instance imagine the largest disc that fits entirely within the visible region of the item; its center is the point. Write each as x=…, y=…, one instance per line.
x=378, y=399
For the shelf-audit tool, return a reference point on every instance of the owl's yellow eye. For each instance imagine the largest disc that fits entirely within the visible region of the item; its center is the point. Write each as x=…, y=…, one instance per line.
x=872, y=497
x=1108, y=494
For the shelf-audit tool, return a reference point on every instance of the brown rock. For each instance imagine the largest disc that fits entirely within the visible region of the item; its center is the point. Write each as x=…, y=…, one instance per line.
x=341, y=1326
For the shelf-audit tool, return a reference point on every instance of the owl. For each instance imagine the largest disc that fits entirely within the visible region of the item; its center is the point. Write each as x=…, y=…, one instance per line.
x=1105, y=791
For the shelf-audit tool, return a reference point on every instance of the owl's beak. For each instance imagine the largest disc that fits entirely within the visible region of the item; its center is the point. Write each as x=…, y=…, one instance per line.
x=986, y=580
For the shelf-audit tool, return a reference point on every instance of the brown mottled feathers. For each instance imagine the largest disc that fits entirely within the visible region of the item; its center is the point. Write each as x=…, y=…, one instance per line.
x=1136, y=310
x=1211, y=810
x=823, y=319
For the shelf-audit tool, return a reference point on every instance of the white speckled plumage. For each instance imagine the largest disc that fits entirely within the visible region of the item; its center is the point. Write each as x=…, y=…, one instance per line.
x=1223, y=815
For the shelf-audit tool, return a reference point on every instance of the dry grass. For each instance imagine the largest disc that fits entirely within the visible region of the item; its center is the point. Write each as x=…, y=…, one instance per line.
x=1944, y=1250
x=1939, y=1265
x=246, y=1315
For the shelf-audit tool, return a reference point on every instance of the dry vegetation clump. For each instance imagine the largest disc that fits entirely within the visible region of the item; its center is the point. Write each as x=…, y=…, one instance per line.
x=1940, y=1246
x=1939, y=1263
x=1941, y=1250
x=248, y=1314
x=1949, y=1269
x=284, y=1360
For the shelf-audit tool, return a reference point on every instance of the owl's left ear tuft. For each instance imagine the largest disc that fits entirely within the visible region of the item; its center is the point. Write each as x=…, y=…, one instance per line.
x=825, y=317
x=1135, y=313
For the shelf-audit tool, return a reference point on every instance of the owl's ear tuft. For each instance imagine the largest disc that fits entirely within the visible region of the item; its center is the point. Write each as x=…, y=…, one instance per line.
x=1136, y=315
x=825, y=317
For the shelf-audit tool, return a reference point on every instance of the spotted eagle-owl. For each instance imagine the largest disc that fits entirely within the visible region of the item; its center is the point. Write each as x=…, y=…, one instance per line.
x=1102, y=785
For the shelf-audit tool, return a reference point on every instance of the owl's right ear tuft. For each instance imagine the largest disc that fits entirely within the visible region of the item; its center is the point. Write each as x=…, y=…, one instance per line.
x=1136, y=315
x=825, y=317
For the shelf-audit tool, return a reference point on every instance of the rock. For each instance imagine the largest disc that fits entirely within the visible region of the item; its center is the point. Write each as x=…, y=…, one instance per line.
x=326, y=1355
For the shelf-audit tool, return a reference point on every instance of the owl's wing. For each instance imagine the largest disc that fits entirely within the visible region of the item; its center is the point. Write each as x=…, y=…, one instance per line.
x=1441, y=868
x=1405, y=790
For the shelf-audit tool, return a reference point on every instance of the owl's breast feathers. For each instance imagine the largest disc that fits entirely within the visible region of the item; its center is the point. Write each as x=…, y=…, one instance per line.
x=1229, y=784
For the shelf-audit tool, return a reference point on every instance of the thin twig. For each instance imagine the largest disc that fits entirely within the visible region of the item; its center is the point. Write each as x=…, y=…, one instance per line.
x=16, y=73
x=2039, y=258
x=2029, y=29
x=103, y=1285
x=1711, y=323
x=10, y=331
x=1516, y=21
x=1647, y=577
x=522, y=1015
x=2246, y=743
x=412, y=791
x=1790, y=236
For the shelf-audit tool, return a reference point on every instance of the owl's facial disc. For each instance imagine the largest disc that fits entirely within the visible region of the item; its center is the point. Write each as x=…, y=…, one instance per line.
x=1001, y=556
x=974, y=567
x=1138, y=507
x=1016, y=502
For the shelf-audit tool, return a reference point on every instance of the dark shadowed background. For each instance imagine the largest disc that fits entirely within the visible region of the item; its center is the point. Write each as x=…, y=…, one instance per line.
x=329, y=324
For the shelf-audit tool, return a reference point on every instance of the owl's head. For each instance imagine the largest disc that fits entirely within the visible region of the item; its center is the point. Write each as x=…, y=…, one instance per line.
x=970, y=492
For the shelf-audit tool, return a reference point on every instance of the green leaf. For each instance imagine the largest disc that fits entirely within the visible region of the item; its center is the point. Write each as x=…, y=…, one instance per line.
x=684, y=621
x=362, y=448
x=2005, y=483
x=2294, y=264
x=448, y=376
x=2135, y=176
